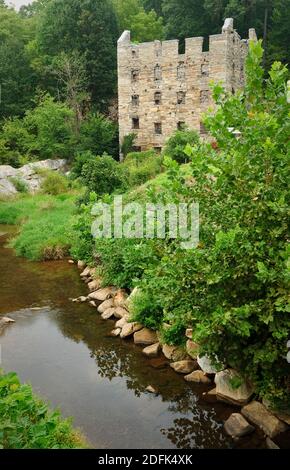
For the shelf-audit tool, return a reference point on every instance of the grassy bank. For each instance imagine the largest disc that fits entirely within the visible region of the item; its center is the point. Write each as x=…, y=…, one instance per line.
x=45, y=224
x=26, y=422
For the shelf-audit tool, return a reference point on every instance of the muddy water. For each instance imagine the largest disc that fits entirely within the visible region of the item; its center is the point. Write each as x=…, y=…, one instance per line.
x=65, y=351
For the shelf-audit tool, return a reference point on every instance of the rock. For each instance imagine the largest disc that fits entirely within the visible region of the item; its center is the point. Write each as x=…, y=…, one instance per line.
x=145, y=337
x=6, y=320
x=257, y=414
x=129, y=329
x=80, y=300
x=152, y=350
x=120, y=323
x=121, y=312
x=206, y=364
x=226, y=391
x=120, y=298
x=270, y=444
x=29, y=174
x=152, y=389
x=210, y=397
x=71, y=261
x=192, y=349
x=86, y=272
x=105, y=305
x=92, y=303
x=81, y=265
x=94, y=285
x=87, y=280
x=198, y=377
x=189, y=333
x=102, y=294
x=116, y=332
x=237, y=426
x=283, y=417
x=109, y=313
x=174, y=353
x=183, y=367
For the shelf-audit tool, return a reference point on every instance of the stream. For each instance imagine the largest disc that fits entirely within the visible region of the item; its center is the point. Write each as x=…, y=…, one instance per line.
x=66, y=352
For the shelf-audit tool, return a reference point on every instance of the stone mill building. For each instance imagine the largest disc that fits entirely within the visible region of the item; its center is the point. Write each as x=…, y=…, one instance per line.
x=161, y=90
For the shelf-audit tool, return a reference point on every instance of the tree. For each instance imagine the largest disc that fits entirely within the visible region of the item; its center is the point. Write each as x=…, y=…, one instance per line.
x=185, y=18
x=17, y=79
x=88, y=27
x=279, y=35
x=155, y=5
x=71, y=75
x=144, y=26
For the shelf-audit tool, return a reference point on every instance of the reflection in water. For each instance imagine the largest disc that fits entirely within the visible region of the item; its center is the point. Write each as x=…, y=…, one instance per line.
x=66, y=352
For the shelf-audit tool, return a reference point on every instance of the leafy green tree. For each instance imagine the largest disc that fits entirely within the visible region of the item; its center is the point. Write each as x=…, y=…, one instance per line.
x=185, y=18
x=88, y=27
x=17, y=79
x=144, y=26
x=155, y=5
x=279, y=34
x=98, y=135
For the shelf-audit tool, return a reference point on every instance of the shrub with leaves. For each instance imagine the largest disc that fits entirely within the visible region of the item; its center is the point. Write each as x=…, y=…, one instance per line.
x=142, y=166
x=28, y=423
x=176, y=144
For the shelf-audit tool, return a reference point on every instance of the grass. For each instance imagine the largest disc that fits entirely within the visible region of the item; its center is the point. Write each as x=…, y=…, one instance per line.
x=27, y=422
x=45, y=224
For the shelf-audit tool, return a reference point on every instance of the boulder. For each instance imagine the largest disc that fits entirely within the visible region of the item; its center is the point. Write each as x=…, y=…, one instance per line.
x=92, y=303
x=192, y=348
x=129, y=329
x=120, y=323
x=257, y=414
x=102, y=294
x=121, y=312
x=109, y=313
x=152, y=389
x=270, y=444
x=6, y=320
x=158, y=363
x=105, y=305
x=174, y=353
x=152, y=350
x=94, y=285
x=120, y=298
x=227, y=391
x=198, y=377
x=7, y=188
x=184, y=367
x=116, y=332
x=85, y=272
x=81, y=265
x=207, y=365
x=71, y=261
x=80, y=300
x=145, y=337
x=237, y=426
x=129, y=299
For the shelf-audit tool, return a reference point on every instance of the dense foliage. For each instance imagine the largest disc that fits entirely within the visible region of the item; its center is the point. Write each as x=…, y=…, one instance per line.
x=232, y=288
x=28, y=423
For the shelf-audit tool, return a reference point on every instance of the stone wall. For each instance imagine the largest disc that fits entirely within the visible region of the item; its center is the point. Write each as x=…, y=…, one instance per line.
x=161, y=90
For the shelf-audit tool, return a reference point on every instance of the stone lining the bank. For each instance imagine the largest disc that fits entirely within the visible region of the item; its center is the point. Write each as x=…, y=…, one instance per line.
x=115, y=303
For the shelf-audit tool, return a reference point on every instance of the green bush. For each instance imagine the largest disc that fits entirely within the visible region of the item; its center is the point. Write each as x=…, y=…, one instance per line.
x=79, y=161
x=54, y=183
x=128, y=144
x=98, y=135
x=102, y=175
x=177, y=143
x=28, y=423
x=142, y=166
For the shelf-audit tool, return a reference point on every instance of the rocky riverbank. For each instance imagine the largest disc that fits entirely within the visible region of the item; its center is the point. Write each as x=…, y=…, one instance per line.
x=224, y=384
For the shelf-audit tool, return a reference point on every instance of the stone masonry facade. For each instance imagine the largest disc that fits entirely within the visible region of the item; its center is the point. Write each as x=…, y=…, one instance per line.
x=161, y=90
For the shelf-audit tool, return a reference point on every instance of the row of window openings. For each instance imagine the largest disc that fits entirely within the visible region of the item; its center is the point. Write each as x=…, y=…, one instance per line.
x=180, y=72
x=157, y=125
x=181, y=97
